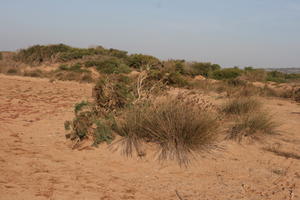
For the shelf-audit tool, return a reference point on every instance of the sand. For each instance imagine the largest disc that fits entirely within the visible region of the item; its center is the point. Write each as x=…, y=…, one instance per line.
x=36, y=161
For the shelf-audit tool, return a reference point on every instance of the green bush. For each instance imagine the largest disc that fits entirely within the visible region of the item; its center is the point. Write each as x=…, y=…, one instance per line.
x=88, y=124
x=113, y=93
x=112, y=66
x=39, y=53
x=226, y=73
x=141, y=61
x=203, y=69
x=276, y=76
x=73, y=68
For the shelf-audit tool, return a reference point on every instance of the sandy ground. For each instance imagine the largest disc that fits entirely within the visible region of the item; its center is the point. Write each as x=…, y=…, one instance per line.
x=36, y=161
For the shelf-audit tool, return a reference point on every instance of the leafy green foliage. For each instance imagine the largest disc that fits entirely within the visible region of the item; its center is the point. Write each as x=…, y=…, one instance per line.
x=226, y=73
x=141, y=61
x=203, y=69
x=112, y=66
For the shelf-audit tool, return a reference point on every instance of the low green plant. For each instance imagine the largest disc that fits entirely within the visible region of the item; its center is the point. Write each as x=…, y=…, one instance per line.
x=12, y=71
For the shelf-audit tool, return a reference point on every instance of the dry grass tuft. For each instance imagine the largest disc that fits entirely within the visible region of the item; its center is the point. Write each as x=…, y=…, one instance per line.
x=253, y=125
x=240, y=106
x=179, y=128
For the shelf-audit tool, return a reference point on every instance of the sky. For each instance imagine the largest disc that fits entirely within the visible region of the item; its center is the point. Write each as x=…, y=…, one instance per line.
x=260, y=33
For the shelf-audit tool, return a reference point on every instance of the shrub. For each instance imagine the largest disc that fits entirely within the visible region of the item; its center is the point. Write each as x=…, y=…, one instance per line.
x=239, y=106
x=203, y=69
x=34, y=73
x=87, y=124
x=179, y=129
x=73, y=68
x=276, y=76
x=227, y=73
x=112, y=66
x=39, y=53
x=251, y=74
x=1, y=56
x=254, y=126
x=141, y=61
x=113, y=93
x=12, y=71
x=87, y=78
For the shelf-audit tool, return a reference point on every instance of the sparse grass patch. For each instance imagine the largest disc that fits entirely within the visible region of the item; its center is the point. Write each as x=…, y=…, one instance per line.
x=254, y=125
x=239, y=106
x=34, y=73
x=12, y=71
x=180, y=129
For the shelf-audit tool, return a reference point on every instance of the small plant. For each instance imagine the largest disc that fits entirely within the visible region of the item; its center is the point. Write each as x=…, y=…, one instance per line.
x=88, y=124
x=12, y=71
x=239, y=106
x=1, y=56
x=254, y=126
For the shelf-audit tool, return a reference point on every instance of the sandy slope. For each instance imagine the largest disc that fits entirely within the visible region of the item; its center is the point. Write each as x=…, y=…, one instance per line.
x=36, y=161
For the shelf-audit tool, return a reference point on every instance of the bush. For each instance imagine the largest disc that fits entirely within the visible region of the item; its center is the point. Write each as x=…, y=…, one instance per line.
x=113, y=93
x=12, y=71
x=239, y=106
x=179, y=129
x=112, y=66
x=34, y=73
x=227, y=73
x=203, y=69
x=276, y=76
x=251, y=74
x=87, y=124
x=141, y=61
x=1, y=56
x=253, y=126
x=74, y=68
x=39, y=53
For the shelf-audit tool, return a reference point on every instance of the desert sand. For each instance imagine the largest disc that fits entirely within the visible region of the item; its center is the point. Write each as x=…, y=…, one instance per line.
x=37, y=162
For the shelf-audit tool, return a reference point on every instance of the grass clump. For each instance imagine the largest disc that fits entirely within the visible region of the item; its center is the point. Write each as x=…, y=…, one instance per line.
x=179, y=129
x=254, y=126
x=242, y=105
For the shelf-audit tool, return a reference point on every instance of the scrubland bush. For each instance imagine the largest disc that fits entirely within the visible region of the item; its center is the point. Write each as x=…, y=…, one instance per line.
x=1, y=56
x=87, y=124
x=12, y=71
x=112, y=93
x=226, y=73
x=178, y=128
x=276, y=76
x=112, y=66
x=203, y=69
x=139, y=61
x=34, y=73
x=39, y=53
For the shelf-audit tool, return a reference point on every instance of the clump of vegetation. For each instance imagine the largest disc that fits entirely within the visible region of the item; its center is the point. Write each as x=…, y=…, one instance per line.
x=140, y=61
x=227, y=73
x=178, y=128
x=40, y=53
x=12, y=71
x=254, y=125
x=112, y=66
x=87, y=124
x=112, y=93
x=239, y=106
x=1, y=56
x=200, y=68
x=74, y=68
x=34, y=73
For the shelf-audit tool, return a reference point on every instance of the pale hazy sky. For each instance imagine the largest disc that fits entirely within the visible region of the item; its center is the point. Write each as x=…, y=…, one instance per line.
x=263, y=33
